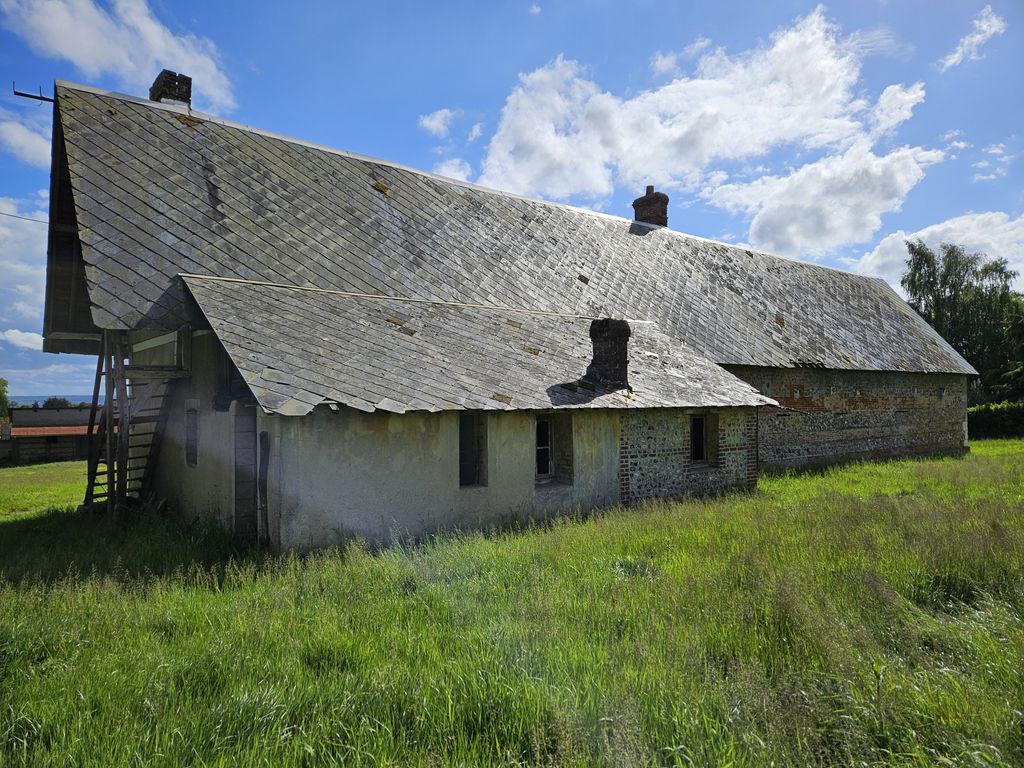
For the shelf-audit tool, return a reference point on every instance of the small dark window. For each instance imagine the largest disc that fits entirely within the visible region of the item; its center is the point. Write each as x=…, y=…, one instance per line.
x=698, y=438
x=472, y=449
x=191, y=437
x=545, y=469
x=51, y=439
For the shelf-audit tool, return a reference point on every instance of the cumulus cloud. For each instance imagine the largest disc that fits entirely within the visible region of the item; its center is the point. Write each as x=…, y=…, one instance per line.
x=561, y=135
x=837, y=200
x=26, y=139
x=895, y=106
x=438, y=123
x=534, y=9
x=23, y=339
x=454, y=168
x=994, y=233
x=127, y=42
x=985, y=26
x=475, y=132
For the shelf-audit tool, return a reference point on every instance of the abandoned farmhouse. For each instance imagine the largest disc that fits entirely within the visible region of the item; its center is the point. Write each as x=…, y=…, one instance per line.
x=306, y=344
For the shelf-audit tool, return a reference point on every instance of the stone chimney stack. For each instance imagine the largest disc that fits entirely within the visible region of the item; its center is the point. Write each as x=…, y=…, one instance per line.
x=652, y=208
x=610, y=366
x=170, y=86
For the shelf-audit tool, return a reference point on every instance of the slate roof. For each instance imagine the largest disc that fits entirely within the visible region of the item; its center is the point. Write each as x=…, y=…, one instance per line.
x=160, y=190
x=297, y=348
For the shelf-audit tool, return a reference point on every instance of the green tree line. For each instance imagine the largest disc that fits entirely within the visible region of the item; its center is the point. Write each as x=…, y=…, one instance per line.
x=967, y=298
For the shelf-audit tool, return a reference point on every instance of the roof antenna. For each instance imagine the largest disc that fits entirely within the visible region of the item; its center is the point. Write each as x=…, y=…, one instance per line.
x=40, y=97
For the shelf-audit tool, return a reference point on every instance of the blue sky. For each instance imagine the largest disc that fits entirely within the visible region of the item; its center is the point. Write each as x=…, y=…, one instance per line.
x=829, y=133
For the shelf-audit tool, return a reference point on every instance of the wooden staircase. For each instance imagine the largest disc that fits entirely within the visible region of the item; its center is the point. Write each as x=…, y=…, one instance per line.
x=127, y=430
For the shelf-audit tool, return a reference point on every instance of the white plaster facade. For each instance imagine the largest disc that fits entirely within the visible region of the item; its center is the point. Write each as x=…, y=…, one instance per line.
x=336, y=474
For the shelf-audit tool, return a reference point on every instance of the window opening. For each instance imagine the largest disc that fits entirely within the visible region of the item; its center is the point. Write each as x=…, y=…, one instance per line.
x=544, y=467
x=472, y=449
x=698, y=438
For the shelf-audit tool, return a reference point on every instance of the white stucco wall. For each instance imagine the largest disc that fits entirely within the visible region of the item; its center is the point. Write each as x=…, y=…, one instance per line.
x=378, y=476
x=207, y=489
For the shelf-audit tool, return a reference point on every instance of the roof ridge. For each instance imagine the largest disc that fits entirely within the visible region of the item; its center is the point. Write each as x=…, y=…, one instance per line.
x=206, y=117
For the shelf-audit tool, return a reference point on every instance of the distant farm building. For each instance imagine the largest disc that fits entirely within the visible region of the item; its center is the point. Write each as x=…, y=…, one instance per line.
x=48, y=434
x=308, y=344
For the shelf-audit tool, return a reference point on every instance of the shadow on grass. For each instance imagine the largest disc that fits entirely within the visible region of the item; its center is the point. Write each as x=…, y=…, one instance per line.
x=61, y=544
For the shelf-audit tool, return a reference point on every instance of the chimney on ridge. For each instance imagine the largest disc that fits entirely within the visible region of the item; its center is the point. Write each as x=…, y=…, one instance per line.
x=170, y=86
x=652, y=208
x=610, y=365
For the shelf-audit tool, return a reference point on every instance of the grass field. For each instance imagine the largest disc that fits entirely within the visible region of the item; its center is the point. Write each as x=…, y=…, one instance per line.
x=867, y=615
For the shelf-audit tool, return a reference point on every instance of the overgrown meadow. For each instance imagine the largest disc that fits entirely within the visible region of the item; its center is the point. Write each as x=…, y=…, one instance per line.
x=866, y=615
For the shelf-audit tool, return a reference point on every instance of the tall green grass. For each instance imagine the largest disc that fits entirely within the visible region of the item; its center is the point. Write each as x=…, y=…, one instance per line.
x=872, y=614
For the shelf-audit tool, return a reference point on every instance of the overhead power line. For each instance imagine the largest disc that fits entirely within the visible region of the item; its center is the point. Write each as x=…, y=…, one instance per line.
x=24, y=218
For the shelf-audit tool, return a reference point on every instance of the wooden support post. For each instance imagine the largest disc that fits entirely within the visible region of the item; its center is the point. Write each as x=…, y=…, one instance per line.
x=123, y=425
x=94, y=439
x=108, y=407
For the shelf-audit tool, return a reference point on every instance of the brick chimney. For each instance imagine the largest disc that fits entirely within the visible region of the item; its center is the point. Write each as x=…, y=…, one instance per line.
x=170, y=86
x=609, y=368
x=652, y=208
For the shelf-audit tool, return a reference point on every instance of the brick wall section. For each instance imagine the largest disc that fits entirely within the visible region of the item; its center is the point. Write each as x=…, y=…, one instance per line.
x=833, y=416
x=654, y=454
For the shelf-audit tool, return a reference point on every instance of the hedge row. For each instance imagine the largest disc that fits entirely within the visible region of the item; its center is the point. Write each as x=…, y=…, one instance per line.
x=995, y=420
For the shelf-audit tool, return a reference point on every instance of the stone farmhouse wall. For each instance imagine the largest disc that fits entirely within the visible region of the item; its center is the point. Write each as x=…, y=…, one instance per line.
x=829, y=416
x=655, y=461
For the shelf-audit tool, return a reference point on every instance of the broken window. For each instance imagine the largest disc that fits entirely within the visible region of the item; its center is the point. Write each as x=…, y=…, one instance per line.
x=545, y=467
x=472, y=449
x=704, y=439
x=192, y=437
x=698, y=438
x=554, y=447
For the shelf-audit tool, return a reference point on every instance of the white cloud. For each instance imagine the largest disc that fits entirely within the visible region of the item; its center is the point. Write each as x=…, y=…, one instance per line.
x=474, y=132
x=837, y=200
x=996, y=173
x=22, y=257
x=26, y=142
x=986, y=26
x=438, y=123
x=68, y=378
x=561, y=135
x=454, y=168
x=880, y=41
x=27, y=309
x=127, y=41
x=895, y=106
x=995, y=149
x=668, y=63
x=23, y=339
x=994, y=233
x=664, y=63
x=534, y=9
